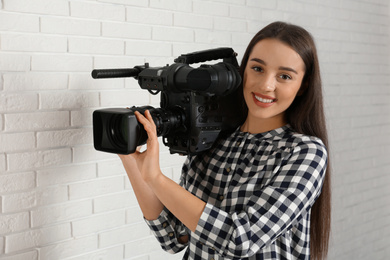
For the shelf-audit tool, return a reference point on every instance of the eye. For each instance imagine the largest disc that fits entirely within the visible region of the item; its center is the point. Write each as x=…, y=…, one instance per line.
x=257, y=69
x=285, y=77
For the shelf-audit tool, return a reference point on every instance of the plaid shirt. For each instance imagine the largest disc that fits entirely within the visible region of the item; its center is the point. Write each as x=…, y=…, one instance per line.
x=259, y=189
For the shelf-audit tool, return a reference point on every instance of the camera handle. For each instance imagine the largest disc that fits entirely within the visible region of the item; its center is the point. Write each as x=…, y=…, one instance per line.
x=227, y=54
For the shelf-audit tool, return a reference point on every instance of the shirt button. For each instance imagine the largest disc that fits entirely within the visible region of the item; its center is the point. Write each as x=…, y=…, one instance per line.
x=165, y=224
x=221, y=197
x=228, y=169
x=238, y=143
x=170, y=234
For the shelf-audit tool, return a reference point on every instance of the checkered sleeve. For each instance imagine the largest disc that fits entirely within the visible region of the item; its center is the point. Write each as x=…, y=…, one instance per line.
x=167, y=229
x=272, y=209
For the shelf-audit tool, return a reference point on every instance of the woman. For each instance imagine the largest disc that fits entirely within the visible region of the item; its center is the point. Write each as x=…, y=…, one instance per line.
x=264, y=191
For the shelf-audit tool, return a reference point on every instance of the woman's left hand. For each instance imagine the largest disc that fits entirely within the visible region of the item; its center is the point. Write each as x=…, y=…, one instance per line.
x=148, y=161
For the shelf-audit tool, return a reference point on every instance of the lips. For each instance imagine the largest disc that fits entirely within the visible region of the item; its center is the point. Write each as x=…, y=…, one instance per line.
x=263, y=100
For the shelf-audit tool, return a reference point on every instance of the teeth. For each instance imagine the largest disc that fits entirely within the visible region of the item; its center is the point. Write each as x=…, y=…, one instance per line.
x=264, y=100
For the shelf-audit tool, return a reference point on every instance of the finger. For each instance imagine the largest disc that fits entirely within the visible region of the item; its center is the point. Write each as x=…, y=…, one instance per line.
x=149, y=117
x=148, y=123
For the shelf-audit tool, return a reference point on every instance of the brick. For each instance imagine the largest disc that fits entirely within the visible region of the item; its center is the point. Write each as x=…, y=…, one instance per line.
x=134, y=215
x=68, y=137
x=35, y=81
x=173, y=34
x=3, y=164
x=124, y=234
x=14, y=62
x=126, y=2
x=98, y=222
x=211, y=8
x=54, y=7
x=65, y=175
x=126, y=98
x=68, y=100
x=17, y=182
x=12, y=223
x=82, y=154
x=81, y=118
x=98, y=187
x=96, y=46
x=36, y=121
x=229, y=24
x=38, y=159
x=34, y=198
x=69, y=248
x=33, y=42
x=18, y=102
x=114, y=202
x=126, y=30
x=56, y=62
x=218, y=38
x=31, y=255
x=249, y=12
x=19, y=22
x=264, y=4
x=69, y=26
x=111, y=167
x=97, y=11
x=101, y=62
x=37, y=237
x=64, y=212
x=141, y=247
x=2, y=239
x=149, y=16
x=12, y=142
x=115, y=252
x=183, y=6
x=147, y=49
x=193, y=21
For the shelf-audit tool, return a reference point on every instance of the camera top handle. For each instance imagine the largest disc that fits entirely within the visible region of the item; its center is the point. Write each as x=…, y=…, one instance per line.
x=227, y=54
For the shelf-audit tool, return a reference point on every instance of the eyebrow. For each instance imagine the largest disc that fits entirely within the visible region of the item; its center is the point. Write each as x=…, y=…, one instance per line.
x=281, y=67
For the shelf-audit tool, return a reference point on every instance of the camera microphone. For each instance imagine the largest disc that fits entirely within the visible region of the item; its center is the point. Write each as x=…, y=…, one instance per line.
x=114, y=73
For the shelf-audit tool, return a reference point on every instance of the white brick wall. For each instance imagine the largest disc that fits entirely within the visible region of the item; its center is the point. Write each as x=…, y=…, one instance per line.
x=61, y=199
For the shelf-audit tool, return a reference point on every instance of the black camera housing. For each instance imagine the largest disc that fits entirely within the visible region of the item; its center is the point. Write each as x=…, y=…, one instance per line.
x=197, y=105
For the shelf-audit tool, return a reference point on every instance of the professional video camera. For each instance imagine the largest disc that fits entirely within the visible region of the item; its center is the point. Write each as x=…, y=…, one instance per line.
x=197, y=104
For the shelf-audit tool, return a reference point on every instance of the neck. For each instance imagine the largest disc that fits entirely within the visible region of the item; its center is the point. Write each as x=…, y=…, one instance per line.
x=256, y=125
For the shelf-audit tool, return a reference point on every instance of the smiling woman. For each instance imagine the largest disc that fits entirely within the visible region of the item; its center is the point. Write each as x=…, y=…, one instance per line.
x=261, y=192
x=272, y=79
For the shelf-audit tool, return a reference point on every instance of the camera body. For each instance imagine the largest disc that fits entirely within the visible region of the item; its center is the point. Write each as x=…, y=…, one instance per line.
x=197, y=105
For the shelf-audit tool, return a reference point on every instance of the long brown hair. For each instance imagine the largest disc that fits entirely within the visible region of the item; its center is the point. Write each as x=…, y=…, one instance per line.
x=306, y=116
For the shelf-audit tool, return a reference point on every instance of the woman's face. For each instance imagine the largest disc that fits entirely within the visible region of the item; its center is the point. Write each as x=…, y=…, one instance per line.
x=272, y=79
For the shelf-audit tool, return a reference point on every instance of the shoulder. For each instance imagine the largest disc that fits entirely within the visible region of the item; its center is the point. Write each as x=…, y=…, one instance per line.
x=306, y=150
x=306, y=143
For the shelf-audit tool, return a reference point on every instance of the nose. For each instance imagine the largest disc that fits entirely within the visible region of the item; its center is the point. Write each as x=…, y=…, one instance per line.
x=268, y=84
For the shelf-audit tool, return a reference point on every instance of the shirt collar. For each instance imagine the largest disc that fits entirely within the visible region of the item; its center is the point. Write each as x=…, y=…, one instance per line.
x=265, y=135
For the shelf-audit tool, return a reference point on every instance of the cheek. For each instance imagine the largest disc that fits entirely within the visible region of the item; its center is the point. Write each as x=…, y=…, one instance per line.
x=289, y=94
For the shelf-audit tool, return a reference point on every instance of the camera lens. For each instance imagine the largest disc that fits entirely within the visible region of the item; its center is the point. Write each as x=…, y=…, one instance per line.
x=119, y=131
